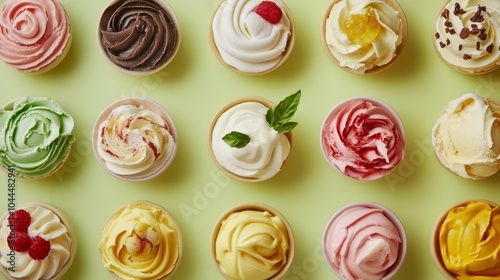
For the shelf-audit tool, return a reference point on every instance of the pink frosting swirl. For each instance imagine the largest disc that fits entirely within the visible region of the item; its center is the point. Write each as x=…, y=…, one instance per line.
x=33, y=33
x=363, y=139
x=362, y=243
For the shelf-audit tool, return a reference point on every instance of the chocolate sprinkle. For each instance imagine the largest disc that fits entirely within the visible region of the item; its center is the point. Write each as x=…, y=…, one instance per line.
x=464, y=33
x=452, y=31
x=445, y=14
x=467, y=56
x=458, y=11
x=460, y=47
x=448, y=41
x=442, y=44
x=478, y=17
x=489, y=48
x=448, y=23
x=478, y=46
x=437, y=35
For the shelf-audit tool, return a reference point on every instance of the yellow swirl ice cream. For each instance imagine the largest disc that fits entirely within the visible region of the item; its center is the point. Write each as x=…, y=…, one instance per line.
x=134, y=141
x=141, y=241
x=251, y=244
x=251, y=41
x=41, y=241
x=466, y=35
x=364, y=34
x=264, y=156
x=466, y=137
x=469, y=241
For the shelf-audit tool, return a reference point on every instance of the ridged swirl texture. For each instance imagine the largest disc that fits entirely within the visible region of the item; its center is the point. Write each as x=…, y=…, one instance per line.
x=33, y=33
x=138, y=35
x=35, y=136
x=48, y=225
x=139, y=242
x=469, y=240
x=252, y=245
x=362, y=243
x=363, y=140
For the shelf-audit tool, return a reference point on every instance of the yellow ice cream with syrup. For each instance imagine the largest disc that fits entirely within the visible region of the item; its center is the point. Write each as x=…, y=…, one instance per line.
x=251, y=244
x=466, y=137
x=140, y=242
x=469, y=240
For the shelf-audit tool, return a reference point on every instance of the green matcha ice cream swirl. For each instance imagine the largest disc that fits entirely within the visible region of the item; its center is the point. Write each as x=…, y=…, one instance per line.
x=35, y=136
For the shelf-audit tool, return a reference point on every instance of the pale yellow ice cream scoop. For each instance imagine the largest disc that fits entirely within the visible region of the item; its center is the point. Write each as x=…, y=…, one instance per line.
x=466, y=137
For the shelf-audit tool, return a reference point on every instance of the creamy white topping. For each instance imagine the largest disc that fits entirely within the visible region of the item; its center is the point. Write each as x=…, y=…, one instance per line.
x=378, y=52
x=46, y=224
x=263, y=157
x=245, y=40
x=467, y=34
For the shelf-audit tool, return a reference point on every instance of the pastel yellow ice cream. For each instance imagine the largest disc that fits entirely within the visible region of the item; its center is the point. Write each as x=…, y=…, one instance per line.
x=467, y=35
x=466, y=137
x=134, y=141
x=252, y=245
x=469, y=241
x=140, y=242
x=362, y=34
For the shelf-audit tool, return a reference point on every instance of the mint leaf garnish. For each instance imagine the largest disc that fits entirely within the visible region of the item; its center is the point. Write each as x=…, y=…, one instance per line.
x=236, y=139
x=277, y=118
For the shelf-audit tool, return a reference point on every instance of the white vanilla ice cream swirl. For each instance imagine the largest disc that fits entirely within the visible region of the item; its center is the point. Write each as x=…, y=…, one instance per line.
x=134, y=141
x=378, y=52
x=48, y=225
x=245, y=40
x=466, y=137
x=467, y=34
x=263, y=157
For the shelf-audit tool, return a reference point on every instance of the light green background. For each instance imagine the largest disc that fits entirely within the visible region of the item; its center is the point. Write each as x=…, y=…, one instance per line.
x=307, y=191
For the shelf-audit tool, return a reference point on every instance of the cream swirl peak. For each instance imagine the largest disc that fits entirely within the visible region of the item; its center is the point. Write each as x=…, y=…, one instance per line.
x=139, y=35
x=44, y=224
x=364, y=34
x=34, y=34
x=264, y=156
x=251, y=244
x=247, y=41
x=36, y=135
x=361, y=242
x=467, y=35
x=141, y=241
x=363, y=138
x=134, y=141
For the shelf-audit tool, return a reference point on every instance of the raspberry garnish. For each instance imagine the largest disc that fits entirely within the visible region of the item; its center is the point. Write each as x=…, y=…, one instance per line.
x=269, y=11
x=39, y=248
x=20, y=242
x=21, y=220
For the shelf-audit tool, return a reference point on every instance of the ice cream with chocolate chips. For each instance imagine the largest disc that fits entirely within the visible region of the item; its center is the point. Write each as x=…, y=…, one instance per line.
x=466, y=35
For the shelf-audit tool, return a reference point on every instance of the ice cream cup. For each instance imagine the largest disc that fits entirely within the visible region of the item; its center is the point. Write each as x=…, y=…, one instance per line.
x=174, y=225
x=255, y=207
x=159, y=67
x=459, y=69
x=392, y=218
x=435, y=248
x=154, y=107
x=286, y=54
x=264, y=101
x=335, y=111
x=10, y=106
x=66, y=223
x=377, y=69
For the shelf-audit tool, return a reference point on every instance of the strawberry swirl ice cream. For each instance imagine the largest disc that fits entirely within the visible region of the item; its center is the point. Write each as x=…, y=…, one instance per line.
x=364, y=242
x=363, y=138
x=249, y=40
x=34, y=34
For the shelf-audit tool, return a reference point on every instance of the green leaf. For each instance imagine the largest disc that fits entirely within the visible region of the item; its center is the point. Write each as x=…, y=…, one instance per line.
x=270, y=117
x=236, y=139
x=286, y=109
x=286, y=127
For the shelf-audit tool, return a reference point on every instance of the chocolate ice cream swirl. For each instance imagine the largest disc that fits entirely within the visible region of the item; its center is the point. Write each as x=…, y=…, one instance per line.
x=138, y=35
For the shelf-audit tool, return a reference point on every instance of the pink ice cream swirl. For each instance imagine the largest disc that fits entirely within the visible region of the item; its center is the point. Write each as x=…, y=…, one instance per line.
x=33, y=33
x=362, y=243
x=363, y=139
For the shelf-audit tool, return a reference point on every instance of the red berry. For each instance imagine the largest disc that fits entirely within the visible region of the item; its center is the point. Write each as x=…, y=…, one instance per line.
x=21, y=220
x=269, y=11
x=20, y=242
x=39, y=248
